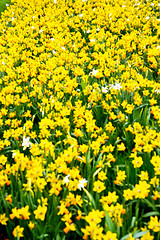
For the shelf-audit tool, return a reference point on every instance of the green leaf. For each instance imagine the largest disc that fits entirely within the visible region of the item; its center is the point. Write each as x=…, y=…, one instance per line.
x=100, y=156
x=133, y=222
x=79, y=233
x=83, y=85
x=151, y=214
x=110, y=223
x=88, y=158
x=140, y=234
x=91, y=199
x=149, y=204
x=42, y=236
x=126, y=236
x=149, y=115
x=58, y=237
x=137, y=234
x=96, y=172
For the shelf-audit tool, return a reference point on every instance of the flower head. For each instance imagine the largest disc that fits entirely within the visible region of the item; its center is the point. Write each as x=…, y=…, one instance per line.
x=82, y=183
x=26, y=143
x=18, y=232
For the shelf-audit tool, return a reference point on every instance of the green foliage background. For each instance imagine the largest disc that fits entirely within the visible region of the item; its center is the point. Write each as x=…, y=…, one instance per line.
x=3, y=5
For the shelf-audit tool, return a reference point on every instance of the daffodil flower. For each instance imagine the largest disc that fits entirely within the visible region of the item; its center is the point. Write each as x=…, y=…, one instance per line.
x=82, y=183
x=26, y=143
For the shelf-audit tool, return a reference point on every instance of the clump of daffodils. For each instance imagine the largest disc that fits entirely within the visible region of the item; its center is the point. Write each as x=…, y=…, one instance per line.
x=79, y=119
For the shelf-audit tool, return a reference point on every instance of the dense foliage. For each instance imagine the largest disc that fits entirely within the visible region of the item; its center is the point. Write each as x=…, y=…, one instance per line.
x=80, y=119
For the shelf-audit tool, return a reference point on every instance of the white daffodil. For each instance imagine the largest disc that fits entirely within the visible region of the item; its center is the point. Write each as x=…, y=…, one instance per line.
x=105, y=89
x=26, y=143
x=66, y=179
x=82, y=183
x=41, y=30
x=14, y=152
x=116, y=86
x=94, y=72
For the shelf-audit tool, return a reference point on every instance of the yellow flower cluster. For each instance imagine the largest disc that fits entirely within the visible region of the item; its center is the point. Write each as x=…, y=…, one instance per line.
x=80, y=119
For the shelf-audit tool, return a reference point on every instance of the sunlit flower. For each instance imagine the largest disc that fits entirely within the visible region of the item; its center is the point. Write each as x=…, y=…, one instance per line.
x=40, y=212
x=121, y=147
x=82, y=183
x=109, y=235
x=94, y=72
x=99, y=186
x=66, y=179
x=3, y=219
x=18, y=232
x=154, y=224
x=79, y=93
x=26, y=143
x=31, y=225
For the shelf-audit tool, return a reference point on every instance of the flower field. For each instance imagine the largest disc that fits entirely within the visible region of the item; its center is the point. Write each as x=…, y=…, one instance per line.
x=80, y=120
x=3, y=4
